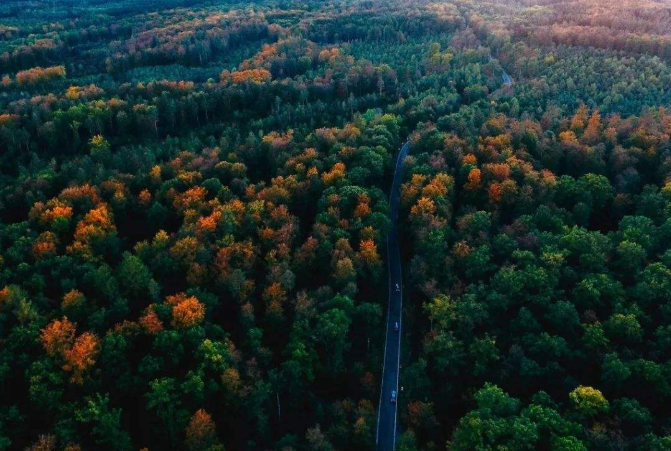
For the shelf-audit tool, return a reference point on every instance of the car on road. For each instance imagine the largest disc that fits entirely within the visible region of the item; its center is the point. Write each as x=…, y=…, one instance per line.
x=393, y=396
x=397, y=288
x=396, y=326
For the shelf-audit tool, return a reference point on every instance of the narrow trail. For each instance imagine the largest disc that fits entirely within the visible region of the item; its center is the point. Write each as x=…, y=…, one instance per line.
x=385, y=437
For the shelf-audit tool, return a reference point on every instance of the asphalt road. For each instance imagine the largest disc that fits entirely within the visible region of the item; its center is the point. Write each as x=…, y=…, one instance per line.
x=385, y=437
x=506, y=78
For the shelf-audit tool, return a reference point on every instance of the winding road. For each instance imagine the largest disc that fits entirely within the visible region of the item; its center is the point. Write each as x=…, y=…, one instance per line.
x=385, y=437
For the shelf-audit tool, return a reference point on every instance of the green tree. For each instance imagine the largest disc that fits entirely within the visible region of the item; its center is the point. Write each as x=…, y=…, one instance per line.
x=105, y=423
x=589, y=401
x=136, y=279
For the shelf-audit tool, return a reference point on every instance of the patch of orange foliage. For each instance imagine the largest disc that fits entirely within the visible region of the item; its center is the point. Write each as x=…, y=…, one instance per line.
x=593, y=129
x=81, y=356
x=44, y=245
x=362, y=210
x=4, y=295
x=200, y=431
x=79, y=192
x=186, y=311
x=250, y=75
x=474, y=179
x=274, y=293
x=39, y=75
x=438, y=186
x=150, y=321
x=495, y=192
x=336, y=173
x=424, y=206
x=579, y=119
x=96, y=224
x=548, y=177
x=144, y=197
x=568, y=138
x=6, y=118
x=363, y=206
x=46, y=214
x=498, y=171
x=368, y=250
x=58, y=336
x=469, y=159
x=209, y=223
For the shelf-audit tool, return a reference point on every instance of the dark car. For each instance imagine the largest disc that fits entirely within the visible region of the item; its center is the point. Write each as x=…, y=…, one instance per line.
x=393, y=396
x=396, y=326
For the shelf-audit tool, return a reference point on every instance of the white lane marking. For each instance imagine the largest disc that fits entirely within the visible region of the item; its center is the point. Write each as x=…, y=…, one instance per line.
x=384, y=359
x=386, y=332
x=400, y=321
x=398, y=353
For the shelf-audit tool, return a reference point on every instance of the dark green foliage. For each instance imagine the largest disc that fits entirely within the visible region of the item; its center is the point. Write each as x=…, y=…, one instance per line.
x=194, y=208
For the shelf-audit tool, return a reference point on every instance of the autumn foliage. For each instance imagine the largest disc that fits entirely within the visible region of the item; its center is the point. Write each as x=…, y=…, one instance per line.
x=195, y=258
x=39, y=75
x=246, y=76
x=201, y=431
x=58, y=336
x=81, y=356
x=187, y=311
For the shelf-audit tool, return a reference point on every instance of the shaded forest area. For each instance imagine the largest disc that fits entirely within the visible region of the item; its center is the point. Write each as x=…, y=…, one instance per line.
x=193, y=210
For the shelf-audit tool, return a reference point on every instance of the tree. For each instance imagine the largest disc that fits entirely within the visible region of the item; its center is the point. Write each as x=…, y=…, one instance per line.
x=201, y=433
x=636, y=418
x=567, y=444
x=187, y=311
x=44, y=443
x=483, y=428
x=136, y=279
x=332, y=329
x=81, y=356
x=58, y=336
x=589, y=401
x=624, y=328
x=105, y=423
x=614, y=372
x=163, y=399
x=407, y=442
x=38, y=75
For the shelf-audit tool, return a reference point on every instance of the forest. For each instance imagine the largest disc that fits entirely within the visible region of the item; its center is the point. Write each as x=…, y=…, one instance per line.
x=194, y=209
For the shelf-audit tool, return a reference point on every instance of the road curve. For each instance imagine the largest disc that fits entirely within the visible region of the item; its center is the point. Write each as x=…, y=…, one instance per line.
x=506, y=79
x=385, y=438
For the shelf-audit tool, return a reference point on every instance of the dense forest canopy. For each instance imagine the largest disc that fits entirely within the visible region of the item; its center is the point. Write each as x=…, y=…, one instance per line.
x=194, y=210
